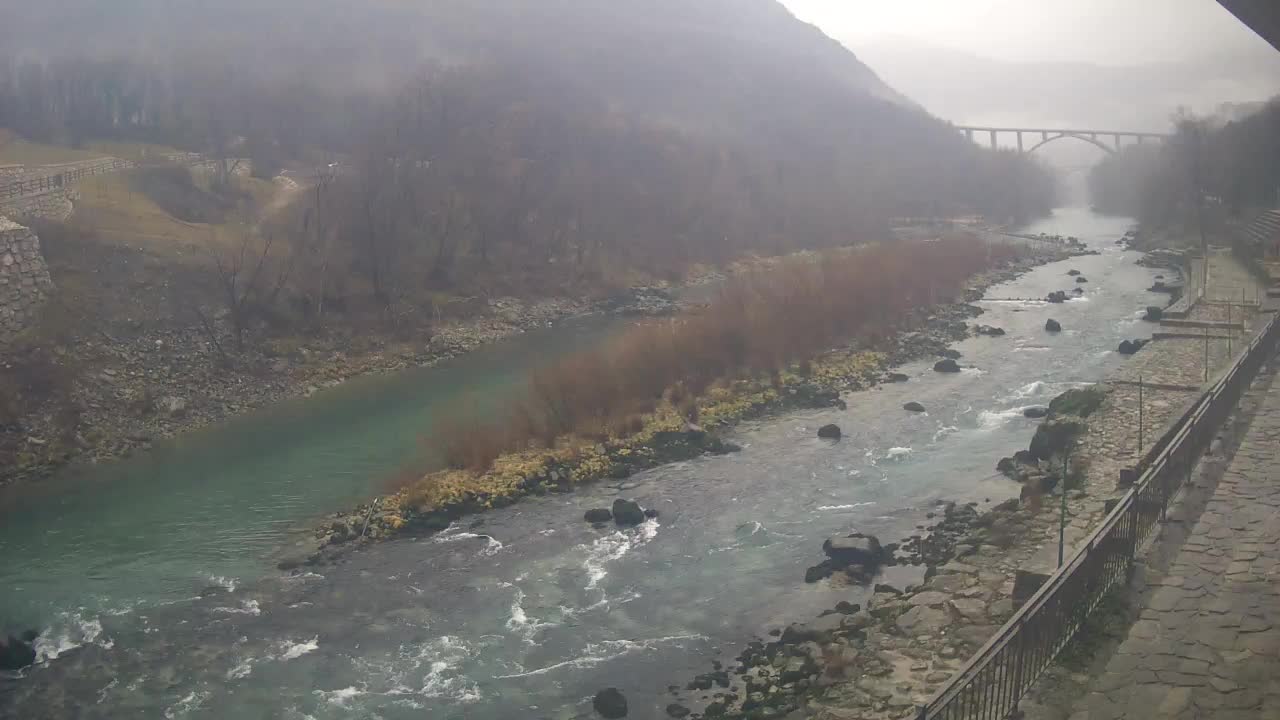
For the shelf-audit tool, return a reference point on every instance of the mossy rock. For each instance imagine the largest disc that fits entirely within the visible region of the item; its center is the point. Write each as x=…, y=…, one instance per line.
x=1081, y=402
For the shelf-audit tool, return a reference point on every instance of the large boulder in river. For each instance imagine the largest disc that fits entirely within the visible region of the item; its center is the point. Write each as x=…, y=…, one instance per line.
x=1131, y=347
x=989, y=331
x=17, y=653
x=896, y=377
x=1082, y=279
x=830, y=432
x=1055, y=436
x=610, y=703
x=1057, y=296
x=855, y=549
x=1035, y=412
x=946, y=366
x=1052, y=325
x=913, y=406
x=1154, y=313
x=1073, y=272
x=627, y=512
x=598, y=515
x=1081, y=402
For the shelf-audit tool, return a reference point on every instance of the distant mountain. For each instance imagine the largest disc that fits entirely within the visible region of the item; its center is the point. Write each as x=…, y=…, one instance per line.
x=966, y=88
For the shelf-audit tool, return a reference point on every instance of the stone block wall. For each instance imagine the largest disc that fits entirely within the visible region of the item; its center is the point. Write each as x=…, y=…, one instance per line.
x=24, y=278
x=56, y=205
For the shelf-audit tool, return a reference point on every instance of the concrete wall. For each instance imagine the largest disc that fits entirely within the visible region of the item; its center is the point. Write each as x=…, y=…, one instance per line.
x=24, y=278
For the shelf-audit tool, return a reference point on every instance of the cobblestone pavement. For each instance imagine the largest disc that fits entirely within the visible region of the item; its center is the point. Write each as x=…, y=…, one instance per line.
x=1207, y=641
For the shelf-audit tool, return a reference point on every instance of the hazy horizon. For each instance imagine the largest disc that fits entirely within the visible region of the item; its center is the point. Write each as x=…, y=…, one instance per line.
x=1102, y=32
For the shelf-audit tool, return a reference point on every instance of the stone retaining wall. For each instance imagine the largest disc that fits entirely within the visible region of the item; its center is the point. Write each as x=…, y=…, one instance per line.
x=24, y=278
x=55, y=205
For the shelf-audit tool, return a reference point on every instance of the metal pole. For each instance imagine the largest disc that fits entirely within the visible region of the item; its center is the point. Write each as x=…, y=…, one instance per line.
x=1206, y=354
x=1062, y=516
x=1230, y=330
x=1140, y=418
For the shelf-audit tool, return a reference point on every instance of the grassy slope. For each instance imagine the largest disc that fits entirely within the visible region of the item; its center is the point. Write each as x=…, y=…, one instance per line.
x=16, y=151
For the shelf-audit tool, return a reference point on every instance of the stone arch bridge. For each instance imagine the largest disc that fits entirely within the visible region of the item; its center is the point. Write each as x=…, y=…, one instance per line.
x=1109, y=141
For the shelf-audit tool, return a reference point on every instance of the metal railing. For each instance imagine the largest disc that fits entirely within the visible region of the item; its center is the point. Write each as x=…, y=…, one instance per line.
x=57, y=181
x=994, y=680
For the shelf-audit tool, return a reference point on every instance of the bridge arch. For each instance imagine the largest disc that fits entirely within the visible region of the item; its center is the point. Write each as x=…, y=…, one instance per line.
x=1086, y=138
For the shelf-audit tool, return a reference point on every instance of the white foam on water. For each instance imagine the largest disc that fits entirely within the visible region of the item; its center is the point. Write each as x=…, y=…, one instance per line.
x=230, y=584
x=404, y=679
x=995, y=419
x=944, y=431
x=247, y=607
x=102, y=694
x=191, y=702
x=70, y=631
x=241, y=671
x=492, y=546
x=614, y=546
x=340, y=697
x=845, y=507
x=597, y=653
x=896, y=453
x=1031, y=389
x=438, y=683
x=972, y=371
x=290, y=650
x=520, y=623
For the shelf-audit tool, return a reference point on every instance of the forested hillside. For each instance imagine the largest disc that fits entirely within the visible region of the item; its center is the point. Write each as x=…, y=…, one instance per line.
x=1230, y=166
x=558, y=141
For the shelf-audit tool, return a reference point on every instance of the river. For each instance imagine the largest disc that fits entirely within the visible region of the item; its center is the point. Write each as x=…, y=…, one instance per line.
x=153, y=581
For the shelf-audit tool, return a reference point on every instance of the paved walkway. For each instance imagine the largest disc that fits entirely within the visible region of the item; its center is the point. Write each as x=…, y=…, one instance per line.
x=1207, y=643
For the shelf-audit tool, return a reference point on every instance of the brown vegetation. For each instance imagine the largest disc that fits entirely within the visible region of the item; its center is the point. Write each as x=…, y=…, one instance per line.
x=765, y=320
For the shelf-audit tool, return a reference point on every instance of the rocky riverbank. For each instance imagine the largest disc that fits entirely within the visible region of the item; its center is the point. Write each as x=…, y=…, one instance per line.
x=885, y=655
x=666, y=437
x=131, y=391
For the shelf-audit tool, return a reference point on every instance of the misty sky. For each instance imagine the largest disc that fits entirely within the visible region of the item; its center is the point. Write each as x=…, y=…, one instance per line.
x=1110, y=32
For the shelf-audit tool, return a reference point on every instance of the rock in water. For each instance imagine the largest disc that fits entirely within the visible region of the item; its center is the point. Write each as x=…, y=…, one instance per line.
x=16, y=654
x=627, y=512
x=989, y=331
x=677, y=711
x=855, y=549
x=1082, y=279
x=1130, y=347
x=1154, y=314
x=1035, y=413
x=913, y=407
x=610, y=703
x=1055, y=436
x=1057, y=296
x=896, y=378
x=830, y=432
x=946, y=366
x=598, y=515
x=1073, y=272
x=1052, y=325
x=818, y=572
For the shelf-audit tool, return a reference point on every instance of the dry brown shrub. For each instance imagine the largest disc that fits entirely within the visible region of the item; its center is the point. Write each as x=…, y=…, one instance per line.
x=764, y=320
